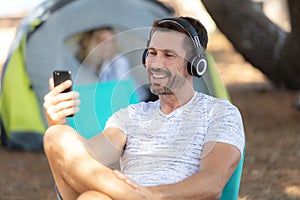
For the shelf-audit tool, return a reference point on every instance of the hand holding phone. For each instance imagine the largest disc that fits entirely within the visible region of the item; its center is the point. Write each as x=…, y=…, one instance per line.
x=60, y=76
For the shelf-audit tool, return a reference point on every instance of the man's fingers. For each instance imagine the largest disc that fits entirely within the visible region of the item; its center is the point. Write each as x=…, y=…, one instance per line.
x=51, y=83
x=63, y=105
x=58, y=116
x=73, y=95
x=59, y=88
x=51, y=99
x=57, y=107
x=121, y=176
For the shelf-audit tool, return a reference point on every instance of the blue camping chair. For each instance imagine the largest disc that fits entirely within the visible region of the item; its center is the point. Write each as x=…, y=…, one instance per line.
x=231, y=189
x=99, y=101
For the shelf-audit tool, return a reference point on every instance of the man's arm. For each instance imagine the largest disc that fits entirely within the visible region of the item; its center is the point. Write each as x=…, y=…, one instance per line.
x=217, y=165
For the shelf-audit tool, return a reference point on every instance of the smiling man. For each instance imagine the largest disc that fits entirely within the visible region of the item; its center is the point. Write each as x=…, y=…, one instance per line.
x=185, y=145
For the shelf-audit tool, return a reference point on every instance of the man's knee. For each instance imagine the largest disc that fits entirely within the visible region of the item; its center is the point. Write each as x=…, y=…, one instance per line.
x=93, y=195
x=56, y=137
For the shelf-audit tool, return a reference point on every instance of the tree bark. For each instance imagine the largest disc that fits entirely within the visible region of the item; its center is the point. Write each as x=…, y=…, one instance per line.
x=262, y=43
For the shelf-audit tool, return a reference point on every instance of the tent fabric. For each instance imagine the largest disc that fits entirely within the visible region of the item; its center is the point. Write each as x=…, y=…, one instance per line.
x=19, y=107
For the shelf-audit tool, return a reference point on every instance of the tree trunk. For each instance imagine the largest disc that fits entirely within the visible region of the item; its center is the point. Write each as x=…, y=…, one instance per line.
x=262, y=43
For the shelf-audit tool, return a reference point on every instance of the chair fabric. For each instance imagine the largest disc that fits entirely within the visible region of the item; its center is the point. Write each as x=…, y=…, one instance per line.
x=231, y=189
x=98, y=102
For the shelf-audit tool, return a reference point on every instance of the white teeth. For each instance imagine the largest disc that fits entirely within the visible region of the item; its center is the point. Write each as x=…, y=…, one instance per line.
x=158, y=76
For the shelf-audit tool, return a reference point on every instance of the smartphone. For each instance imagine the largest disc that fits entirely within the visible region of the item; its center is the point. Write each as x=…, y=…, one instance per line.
x=60, y=76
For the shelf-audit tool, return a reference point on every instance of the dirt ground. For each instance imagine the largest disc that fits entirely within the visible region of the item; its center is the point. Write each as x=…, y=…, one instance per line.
x=271, y=119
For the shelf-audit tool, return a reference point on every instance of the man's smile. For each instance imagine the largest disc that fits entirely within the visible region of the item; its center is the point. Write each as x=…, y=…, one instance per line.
x=157, y=77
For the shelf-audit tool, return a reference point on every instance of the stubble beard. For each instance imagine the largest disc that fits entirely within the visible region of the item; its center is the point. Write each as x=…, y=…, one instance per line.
x=175, y=83
x=160, y=91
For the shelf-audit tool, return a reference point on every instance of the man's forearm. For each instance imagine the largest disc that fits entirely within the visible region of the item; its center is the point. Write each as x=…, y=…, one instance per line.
x=215, y=170
x=198, y=186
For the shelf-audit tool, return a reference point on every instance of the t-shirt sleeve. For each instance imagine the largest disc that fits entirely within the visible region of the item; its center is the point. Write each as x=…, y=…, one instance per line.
x=226, y=125
x=117, y=120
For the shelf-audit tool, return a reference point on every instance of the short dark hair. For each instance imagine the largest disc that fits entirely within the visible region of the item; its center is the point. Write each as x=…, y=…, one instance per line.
x=200, y=29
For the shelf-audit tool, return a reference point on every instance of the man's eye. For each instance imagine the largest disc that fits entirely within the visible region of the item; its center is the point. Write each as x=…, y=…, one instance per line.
x=151, y=53
x=170, y=55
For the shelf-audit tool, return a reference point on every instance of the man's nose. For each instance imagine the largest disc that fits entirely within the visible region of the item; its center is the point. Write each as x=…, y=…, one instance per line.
x=159, y=61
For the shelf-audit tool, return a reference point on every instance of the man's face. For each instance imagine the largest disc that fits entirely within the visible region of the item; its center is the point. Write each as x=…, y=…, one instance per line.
x=166, y=63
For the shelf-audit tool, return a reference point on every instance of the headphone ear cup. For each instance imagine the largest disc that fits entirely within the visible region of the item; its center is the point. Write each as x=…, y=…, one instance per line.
x=197, y=65
x=144, y=56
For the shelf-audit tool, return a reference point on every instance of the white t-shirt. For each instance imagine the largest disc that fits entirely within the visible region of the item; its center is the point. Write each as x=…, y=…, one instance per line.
x=164, y=149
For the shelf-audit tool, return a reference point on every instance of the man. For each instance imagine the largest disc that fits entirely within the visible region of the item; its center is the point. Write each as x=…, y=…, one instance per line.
x=186, y=145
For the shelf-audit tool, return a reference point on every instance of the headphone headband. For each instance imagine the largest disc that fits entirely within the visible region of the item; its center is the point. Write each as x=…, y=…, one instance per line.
x=184, y=24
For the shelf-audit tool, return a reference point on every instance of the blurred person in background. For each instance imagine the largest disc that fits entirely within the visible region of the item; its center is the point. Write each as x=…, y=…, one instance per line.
x=99, y=53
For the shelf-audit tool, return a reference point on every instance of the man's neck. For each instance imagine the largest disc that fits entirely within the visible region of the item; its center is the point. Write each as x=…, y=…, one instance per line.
x=169, y=103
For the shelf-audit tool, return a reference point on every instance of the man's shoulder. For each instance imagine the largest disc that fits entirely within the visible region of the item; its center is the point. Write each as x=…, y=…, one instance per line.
x=210, y=102
x=205, y=98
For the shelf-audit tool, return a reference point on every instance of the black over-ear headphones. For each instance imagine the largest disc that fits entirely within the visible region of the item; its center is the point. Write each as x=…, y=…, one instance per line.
x=197, y=64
